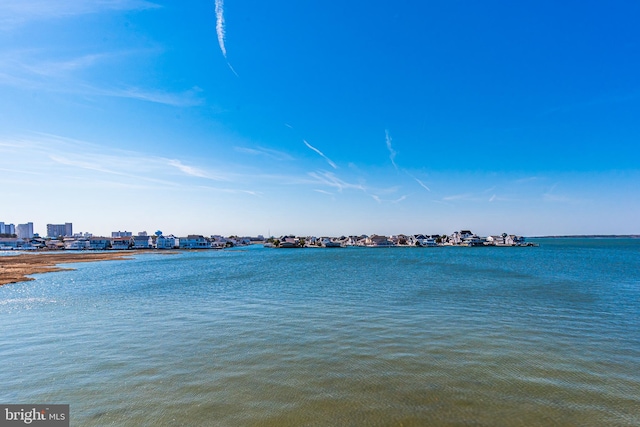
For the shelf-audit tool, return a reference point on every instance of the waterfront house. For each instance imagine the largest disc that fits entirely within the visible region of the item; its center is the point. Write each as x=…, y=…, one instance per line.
x=514, y=240
x=458, y=237
x=194, y=241
x=9, y=243
x=121, y=243
x=75, y=244
x=167, y=242
x=425, y=241
x=473, y=241
x=402, y=240
x=54, y=244
x=361, y=240
x=455, y=238
x=98, y=243
x=142, y=242
x=38, y=243
x=289, y=242
x=495, y=240
x=505, y=240
x=378, y=241
x=329, y=242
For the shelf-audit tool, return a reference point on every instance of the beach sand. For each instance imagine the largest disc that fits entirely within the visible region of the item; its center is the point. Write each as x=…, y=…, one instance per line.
x=15, y=268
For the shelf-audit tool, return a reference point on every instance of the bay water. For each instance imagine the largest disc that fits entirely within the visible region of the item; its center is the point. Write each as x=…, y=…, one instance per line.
x=450, y=336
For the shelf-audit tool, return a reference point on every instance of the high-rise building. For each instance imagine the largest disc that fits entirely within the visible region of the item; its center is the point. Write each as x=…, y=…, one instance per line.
x=7, y=228
x=121, y=234
x=57, y=230
x=25, y=231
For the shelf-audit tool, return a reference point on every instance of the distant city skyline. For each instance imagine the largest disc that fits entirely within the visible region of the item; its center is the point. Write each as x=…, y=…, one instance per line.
x=244, y=117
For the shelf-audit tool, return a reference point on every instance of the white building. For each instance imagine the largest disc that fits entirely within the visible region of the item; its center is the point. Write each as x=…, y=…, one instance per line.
x=142, y=242
x=57, y=230
x=167, y=242
x=25, y=231
x=193, y=241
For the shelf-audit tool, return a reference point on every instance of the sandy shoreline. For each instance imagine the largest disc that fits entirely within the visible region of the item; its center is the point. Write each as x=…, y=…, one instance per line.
x=15, y=268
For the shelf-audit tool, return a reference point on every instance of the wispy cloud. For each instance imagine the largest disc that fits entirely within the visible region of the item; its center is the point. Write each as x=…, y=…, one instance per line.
x=17, y=12
x=400, y=199
x=422, y=184
x=330, y=180
x=64, y=67
x=527, y=179
x=465, y=196
x=552, y=196
x=74, y=156
x=266, y=152
x=188, y=98
x=378, y=199
x=194, y=171
x=94, y=163
x=331, y=163
x=24, y=70
x=392, y=152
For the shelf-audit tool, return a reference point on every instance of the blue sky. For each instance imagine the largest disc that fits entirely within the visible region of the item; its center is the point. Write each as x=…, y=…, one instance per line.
x=337, y=117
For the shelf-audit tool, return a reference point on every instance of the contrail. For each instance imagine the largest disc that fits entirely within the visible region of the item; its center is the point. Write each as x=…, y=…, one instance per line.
x=333, y=165
x=220, y=32
x=232, y=70
x=422, y=184
x=392, y=152
x=220, y=26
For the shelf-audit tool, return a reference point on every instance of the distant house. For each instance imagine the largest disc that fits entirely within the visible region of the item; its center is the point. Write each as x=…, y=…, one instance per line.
x=473, y=241
x=505, y=240
x=514, y=240
x=121, y=243
x=403, y=240
x=455, y=238
x=194, y=241
x=219, y=242
x=425, y=241
x=289, y=242
x=167, y=242
x=73, y=244
x=495, y=240
x=142, y=242
x=458, y=237
x=9, y=243
x=360, y=240
x=465, y=234
x=54, y=244
x=378, y=241
x=38, y=243
x=98, y=243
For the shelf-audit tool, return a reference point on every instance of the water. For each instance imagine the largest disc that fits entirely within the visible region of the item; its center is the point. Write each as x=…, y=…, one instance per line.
x=546, y=336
